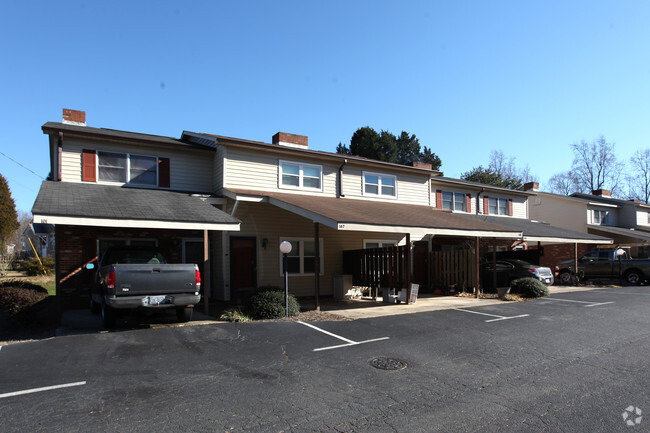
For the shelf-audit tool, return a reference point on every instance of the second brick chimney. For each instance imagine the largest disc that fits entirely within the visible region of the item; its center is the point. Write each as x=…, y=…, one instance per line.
x=531, y=186
x=602, y=193
x=74, y=117
x=290, y=140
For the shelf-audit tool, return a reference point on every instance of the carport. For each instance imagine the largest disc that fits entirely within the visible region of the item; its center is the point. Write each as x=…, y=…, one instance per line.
x=85, y=215
x=352, y=215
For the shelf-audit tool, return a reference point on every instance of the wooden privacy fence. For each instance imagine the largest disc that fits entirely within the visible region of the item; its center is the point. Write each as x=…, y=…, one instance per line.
x=378, y=267
x=453, y=267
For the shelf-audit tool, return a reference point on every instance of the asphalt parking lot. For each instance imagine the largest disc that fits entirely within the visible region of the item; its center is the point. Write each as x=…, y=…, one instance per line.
x=573, y=362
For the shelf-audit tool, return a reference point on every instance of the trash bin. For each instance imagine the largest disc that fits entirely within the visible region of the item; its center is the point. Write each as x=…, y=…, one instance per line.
x=342, y=285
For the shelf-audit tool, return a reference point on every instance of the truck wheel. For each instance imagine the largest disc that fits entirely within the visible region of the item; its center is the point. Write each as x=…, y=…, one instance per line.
x=565, y=277
x=184, y=314
x=634, y=277
x=108, y=316
x=94, y=306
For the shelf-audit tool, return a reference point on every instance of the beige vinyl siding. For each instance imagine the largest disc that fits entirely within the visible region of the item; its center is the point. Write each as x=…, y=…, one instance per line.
x=559, y=211
x=189, y=170
x=219, y=167
x=265, y=221
x=413, y=189
x=259, y=171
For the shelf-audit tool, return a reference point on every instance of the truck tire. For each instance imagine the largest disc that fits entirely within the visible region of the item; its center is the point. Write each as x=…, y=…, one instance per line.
x=184, y=314
x=108, y=316
x=565, y=278
x=94, y=306
x=634, y=276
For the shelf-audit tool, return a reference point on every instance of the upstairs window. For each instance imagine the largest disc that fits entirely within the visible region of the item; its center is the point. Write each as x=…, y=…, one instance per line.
x=379, y=185
x=301, y=176
x=600, y=217
x=127, y=168
x=454, y=201
x=498, y=206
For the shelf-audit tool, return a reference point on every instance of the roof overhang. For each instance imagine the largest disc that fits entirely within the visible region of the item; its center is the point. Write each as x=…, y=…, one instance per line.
x=93, y=205
x=374, y=216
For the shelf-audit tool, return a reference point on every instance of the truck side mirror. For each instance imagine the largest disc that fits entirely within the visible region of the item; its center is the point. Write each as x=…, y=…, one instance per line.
x=90, y=266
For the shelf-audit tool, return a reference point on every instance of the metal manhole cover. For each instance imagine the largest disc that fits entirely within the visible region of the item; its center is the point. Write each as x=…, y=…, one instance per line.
x=386, y=363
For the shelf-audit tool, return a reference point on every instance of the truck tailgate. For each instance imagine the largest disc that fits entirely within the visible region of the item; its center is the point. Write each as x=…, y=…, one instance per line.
x=155, y=279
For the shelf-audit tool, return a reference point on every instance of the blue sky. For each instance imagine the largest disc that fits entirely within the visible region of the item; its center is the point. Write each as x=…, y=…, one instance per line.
x=466, y=77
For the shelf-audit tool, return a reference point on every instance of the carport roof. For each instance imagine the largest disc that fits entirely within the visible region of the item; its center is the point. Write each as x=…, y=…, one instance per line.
x=639, y=235
x=115, y=206
x=377, y=216
x=535, y=231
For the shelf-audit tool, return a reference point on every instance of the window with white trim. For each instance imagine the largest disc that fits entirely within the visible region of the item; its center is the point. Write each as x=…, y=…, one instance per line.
x=300, y=261
x=600, y=217
x=375, y=243
x=301, y=176
x=127, y=168
x=454, y=201
x=379, y=185
x=498, y=206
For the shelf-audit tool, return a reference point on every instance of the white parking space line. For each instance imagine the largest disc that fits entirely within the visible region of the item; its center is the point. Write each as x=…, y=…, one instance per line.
x=591, y=304
x=45, y=388
x=347, y=341
x=498, y=318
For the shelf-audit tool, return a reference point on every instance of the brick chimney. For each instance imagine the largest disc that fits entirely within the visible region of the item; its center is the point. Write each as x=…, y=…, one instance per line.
x=531, y=186
x=602, y=193
x=423, y=165
x=74, y=117
x=290, y=140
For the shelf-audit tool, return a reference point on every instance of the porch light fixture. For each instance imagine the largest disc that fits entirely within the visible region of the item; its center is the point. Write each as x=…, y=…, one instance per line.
x=285, y=249
x=265, y=242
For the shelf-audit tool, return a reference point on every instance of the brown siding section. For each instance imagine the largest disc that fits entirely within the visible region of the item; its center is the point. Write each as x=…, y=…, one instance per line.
x=438, y=199
x=163, y=173
x=88, y=166
x=468, y=202
x=486, y=205
x=509, y=207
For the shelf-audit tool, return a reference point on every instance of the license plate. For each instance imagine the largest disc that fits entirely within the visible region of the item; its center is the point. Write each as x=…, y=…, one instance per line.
x=154, y=300
x=547, y=280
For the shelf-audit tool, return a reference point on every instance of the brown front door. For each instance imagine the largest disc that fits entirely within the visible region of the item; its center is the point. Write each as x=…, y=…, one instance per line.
x=243, y=267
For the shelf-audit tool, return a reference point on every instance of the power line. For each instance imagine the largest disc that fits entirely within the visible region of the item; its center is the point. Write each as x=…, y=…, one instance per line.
x=29, y=170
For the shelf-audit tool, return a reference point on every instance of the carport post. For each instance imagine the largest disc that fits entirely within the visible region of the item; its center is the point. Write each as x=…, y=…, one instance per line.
x=575, y=258
x=407, y=265
x=477, y=267
x=205, y=278
x=494, y=264
x=317, y=265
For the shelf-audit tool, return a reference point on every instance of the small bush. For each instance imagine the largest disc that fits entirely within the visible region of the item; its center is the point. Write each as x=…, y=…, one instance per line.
x=529, y=288
x=234, y=315
x=32, y=267
x=269, y=304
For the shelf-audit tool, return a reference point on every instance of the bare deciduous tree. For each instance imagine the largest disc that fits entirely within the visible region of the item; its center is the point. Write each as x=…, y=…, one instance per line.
x=562, y=183
x=595, y=166
x=639, y=179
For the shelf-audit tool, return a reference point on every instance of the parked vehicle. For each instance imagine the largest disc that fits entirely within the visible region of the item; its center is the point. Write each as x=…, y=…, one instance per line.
x=511, y=269
x=130, y=278
x=605, y=263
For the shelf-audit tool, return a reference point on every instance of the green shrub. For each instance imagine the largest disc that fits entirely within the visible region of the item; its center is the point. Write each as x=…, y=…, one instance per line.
x=529, y=288
x=268, y=303
x=234, y=315
x=32, y=267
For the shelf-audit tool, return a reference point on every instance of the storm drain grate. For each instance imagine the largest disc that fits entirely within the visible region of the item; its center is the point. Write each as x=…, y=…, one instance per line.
x=386, y=363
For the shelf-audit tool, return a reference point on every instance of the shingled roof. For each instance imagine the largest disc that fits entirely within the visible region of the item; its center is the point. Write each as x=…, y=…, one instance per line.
x=115, y=206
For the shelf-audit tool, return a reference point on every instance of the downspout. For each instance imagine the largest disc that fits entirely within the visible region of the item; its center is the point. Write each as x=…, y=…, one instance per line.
x=478, y=200
x=345, y=161
x=59, y=152
x=234, y=208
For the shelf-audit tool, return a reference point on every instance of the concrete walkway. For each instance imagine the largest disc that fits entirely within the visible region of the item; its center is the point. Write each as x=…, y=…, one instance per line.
x=365, y=308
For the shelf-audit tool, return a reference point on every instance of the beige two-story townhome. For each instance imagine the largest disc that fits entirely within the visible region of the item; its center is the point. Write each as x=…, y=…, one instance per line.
x=228, y=203
x=626, y=222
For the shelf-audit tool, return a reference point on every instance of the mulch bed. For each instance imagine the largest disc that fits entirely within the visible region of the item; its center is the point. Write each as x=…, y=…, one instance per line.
x=26, y=311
